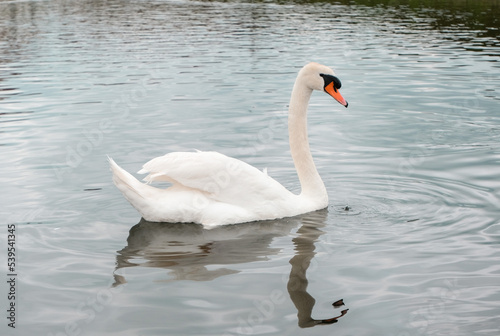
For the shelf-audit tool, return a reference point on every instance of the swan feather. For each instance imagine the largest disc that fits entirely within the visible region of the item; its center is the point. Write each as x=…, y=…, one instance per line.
x=216, y=174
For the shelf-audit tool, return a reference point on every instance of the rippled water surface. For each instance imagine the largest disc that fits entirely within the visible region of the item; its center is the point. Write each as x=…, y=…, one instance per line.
x=410, y=240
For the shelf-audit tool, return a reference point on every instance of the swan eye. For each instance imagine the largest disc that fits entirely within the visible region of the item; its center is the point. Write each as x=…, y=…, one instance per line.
x=331, y=79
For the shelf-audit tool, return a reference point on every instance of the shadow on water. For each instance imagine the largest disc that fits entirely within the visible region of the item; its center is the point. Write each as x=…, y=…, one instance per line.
x=304, y=246
x=190, y=252
x=187, y=249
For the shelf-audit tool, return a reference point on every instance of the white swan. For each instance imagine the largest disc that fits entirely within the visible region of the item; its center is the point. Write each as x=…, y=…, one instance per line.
x=212, y=189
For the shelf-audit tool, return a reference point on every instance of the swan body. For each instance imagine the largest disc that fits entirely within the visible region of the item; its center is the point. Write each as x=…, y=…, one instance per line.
x=213, y=189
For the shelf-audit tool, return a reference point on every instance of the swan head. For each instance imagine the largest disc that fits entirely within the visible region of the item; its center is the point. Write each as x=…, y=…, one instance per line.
x=322, y=78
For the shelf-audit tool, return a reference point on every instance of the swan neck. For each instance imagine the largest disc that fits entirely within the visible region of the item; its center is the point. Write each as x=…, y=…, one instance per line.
x=311, y=184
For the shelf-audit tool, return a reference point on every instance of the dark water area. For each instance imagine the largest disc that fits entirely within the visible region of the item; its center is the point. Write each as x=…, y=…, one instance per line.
x=478, y=15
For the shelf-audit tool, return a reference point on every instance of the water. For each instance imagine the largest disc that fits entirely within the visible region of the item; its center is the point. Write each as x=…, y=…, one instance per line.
x=410, y=240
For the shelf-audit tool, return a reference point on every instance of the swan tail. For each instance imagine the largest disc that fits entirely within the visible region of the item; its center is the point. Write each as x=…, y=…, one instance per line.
x=136, y=192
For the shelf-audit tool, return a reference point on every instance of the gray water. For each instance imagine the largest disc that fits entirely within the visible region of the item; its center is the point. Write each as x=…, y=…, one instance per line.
x=410, y=240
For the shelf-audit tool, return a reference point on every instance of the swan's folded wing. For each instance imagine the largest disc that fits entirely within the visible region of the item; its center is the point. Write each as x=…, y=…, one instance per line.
x=226, y=179
x=191, y=169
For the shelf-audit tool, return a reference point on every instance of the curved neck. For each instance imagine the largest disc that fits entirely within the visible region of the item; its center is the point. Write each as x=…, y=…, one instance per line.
x=310, y=181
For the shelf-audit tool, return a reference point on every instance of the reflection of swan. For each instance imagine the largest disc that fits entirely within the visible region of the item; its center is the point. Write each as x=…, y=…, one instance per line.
x=188, y=249
x=212, y=189
x=307, y=235
x=191, y=252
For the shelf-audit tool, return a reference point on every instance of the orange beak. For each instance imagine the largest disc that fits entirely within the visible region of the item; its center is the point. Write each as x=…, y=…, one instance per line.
x=332, y=91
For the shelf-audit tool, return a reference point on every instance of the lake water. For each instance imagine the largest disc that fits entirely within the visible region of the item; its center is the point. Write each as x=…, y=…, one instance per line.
x=410, y=240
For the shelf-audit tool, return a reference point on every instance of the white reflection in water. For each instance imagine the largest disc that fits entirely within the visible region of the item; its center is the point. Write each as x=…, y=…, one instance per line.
x=188, y=252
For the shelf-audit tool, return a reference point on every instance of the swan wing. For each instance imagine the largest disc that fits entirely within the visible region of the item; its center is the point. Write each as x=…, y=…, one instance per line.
x=225, y=179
